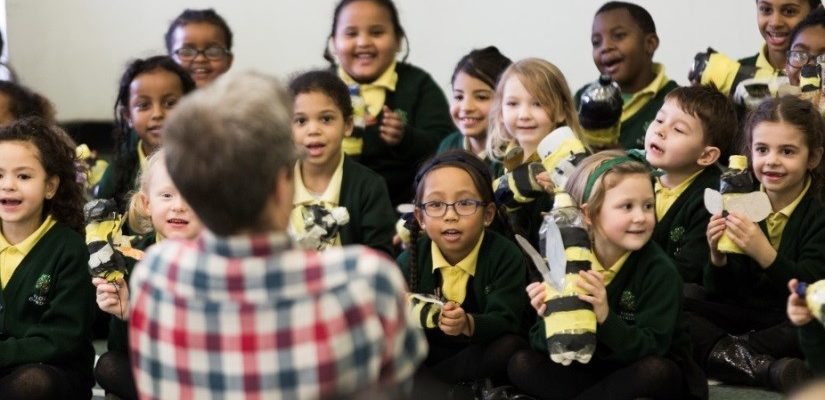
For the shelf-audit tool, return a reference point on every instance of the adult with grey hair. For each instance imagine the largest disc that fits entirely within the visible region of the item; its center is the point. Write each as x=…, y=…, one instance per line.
x=238, y=312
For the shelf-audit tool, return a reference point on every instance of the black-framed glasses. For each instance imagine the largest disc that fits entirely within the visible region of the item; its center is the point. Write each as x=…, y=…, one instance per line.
x=799, y=58
x=213, y=53
x=464, y=207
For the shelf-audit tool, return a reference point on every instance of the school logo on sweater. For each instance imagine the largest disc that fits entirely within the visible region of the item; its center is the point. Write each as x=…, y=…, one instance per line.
x=41, y=289
x=627, y=306
x=676, y=235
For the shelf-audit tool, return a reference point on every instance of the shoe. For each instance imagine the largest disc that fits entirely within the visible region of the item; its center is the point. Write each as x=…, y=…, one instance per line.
x=733, y=361
x=787, y=373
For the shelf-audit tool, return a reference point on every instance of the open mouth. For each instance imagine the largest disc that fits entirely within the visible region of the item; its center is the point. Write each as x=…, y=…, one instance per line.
x=10, y=202
x=177, y=222
x=470, y=121
x=776, y=38
x=365, y=57
x=772, y=175
x=655, y=149
x=451, y=235
x=200, y=73
x=611, y=65
x=315, y=149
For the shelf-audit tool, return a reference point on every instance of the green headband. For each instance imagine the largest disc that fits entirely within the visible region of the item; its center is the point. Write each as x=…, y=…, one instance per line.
x=632, y=156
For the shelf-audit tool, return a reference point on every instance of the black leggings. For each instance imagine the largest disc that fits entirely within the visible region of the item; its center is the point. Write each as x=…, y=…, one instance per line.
x=114, y=374
x=653, y=376
x=40, y=382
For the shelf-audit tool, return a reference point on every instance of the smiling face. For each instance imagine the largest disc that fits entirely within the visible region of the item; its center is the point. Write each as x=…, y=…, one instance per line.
x=470, y=106
x=24, y=186
x=674, y=140
x=776, y=19
x=627, y=215
x=152, y=95
x=319, y=127
x=621, y=49
x=365, y=42
x=201, y=36
x=171, y=215
x=455, y=235
x=524, y=117
x=781, y=158
x=811, y=40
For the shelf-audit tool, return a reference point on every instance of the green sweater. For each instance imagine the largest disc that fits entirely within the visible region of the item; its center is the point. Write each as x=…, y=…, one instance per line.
x=812, y=342
x=371, y=217
x=455, y=140
x=681, y=232
x=118, y=339
x=632, y=133
x=801, y=255
x=428, y=122
x=497, y=289
x=46, y=309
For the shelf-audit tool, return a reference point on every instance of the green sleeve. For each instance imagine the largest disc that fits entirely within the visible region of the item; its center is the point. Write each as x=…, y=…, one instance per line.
x=810, y=264
x=812, y=343
x=378, y=222
x=657, y=312
x=538, y=336
x=429, y=123
x=64, y=330
x=505, y=295
x=694, y=253
x=105, y=188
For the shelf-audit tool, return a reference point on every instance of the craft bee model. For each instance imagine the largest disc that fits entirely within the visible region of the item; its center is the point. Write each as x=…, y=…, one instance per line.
x=321, y=226
x=105, y=241
x=600, y=113
x=570, y=324
x=814, y=295
x=736, y=194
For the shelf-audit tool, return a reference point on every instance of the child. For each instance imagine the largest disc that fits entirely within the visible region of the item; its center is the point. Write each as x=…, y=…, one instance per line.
x=46, y=303
x=201, y=42
x=532, y=101
x=684, y=140
x=17, y=101
x=775, y=20
x=807, y=43
x=475, y=271
x=474, y=83
x=624, y=40
x=156, y=207
x=322, y=118
x=634, y=289
x=149, y=89
x=811, y=331
x=747, y=292
x=406, y=115
x=240, y=295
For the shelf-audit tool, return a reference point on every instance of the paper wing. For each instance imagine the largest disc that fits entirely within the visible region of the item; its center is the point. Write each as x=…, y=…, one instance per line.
x=535, y=257
x=754, y=205
x=713, y=202
x=554, y=251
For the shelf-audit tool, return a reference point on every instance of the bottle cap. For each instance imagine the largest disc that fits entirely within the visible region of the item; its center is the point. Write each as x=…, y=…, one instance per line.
x=738, y=162
x=562, y=200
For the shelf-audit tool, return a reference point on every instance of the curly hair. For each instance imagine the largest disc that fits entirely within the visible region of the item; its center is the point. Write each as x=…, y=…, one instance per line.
x=57, y=155
x=23, y=102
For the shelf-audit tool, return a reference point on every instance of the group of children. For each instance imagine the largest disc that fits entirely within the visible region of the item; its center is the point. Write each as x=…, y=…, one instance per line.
x=375, y=132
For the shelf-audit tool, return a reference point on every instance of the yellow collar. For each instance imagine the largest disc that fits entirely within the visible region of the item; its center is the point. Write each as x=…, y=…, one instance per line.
x=611, y=272
x=331, y=195
x=665, y=197
x=641, y=97
x=141, y=154
x=467, y=264
x=788, y=210
x=27, y=244
x=763, y=65
x=375, y=92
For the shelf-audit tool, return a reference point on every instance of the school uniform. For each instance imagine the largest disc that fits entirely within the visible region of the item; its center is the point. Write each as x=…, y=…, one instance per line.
x=47, y=305
x=412, y=92
x=363, y=193
x=640, y=108
x=456, y=140
x=106, y=187
x=526, y=220
x=682, y=222
x=812, y=342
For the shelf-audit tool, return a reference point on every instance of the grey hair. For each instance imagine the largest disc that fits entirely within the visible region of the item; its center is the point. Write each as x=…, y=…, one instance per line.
x=225, y=145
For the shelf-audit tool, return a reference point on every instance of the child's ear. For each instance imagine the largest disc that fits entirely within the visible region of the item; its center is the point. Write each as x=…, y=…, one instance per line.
x=124, y=113
x=651, y=43
x=585, y=208
x=489, y=213
x=709, y=156
x=419, y=216
x=815, y=157
x=52, y=183
x=349, y=126
x=144, y=203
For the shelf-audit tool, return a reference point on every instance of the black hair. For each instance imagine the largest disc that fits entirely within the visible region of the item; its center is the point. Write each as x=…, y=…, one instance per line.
x=485, y=64
x=814, y=19
x=57, y=155
x=189, y=16
x=24, y=103
x=125, y=163
x=325, y=82
x=637, y=12
x=396, y=25
x=458, y=158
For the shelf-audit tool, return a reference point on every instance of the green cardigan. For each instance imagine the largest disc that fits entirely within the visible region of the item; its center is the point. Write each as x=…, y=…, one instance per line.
x=428, y=122
x=497, y=287
x=632, y=133
x=681, y=232
x=455, y=140
x=812, y=342
x=371, y=217
x=47, y=307
x=801, y=255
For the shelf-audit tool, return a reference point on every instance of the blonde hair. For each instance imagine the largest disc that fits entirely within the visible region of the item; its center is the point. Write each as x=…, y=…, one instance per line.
x=138, y=217
x=545, y=82
x=609, y=179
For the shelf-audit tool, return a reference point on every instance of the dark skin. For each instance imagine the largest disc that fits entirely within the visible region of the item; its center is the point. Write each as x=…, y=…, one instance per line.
x=622, y=50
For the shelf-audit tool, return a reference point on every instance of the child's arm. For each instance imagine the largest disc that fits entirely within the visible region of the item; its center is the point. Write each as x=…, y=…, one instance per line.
x=112, y=297
x=64, y=329
x=716, y=228
x=810, y=263
x=428, y=122
x=504, y=301
x=750, y=238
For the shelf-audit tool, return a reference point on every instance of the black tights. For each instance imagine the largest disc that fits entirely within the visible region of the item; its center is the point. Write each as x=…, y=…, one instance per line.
x=114, y=374
x=653, y=377
x=34, y=382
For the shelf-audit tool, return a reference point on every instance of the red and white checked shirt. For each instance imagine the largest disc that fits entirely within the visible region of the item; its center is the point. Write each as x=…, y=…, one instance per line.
x=249, y=317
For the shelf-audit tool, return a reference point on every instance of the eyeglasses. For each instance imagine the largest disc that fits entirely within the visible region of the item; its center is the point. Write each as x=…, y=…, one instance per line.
x=799, y=59
x=438, y=209
x=213, y=53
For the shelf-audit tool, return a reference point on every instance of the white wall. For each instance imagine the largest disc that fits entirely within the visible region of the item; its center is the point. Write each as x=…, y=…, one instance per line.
x=73, y=51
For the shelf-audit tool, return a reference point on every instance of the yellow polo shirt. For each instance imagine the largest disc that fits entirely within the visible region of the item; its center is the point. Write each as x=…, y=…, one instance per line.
x=12, y=255
x=776, y=221
x=454, y=278
x=375, y=92
x=303, y=197
x=666, y=197
x=764, y=69
x=643, y=96
x=611, y=272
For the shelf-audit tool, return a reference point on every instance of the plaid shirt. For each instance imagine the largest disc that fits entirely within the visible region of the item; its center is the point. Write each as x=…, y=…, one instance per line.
x=249, y=317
